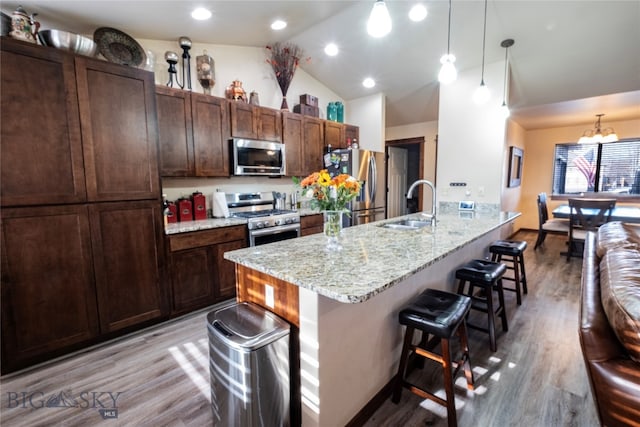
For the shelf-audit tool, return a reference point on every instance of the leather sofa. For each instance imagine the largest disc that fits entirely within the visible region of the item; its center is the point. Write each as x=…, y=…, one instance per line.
x=610, y=322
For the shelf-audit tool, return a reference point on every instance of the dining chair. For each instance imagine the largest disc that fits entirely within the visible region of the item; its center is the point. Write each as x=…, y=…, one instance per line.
x=546, y=225
x=586, y=215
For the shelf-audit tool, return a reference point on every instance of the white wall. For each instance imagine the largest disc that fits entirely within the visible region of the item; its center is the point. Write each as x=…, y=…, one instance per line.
x=369, y=114
x=428, y=130
x=175, y=188
x=471, y=138
x=247, y=64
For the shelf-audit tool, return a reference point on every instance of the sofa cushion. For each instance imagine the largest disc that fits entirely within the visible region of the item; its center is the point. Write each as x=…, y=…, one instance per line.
x=620, y=287
x=617, y=234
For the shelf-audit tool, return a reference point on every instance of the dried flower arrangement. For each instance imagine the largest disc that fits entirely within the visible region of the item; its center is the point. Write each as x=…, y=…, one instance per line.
x=285, y=59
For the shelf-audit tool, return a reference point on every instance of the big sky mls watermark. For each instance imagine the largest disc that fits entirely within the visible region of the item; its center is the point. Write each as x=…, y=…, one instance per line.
x=105, y=402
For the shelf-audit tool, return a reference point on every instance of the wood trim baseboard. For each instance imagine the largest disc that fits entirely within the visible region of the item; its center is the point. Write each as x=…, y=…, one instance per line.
x=372, y=406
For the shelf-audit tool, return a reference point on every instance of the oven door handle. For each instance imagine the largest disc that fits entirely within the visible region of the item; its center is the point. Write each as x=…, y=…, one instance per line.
x=275, y=230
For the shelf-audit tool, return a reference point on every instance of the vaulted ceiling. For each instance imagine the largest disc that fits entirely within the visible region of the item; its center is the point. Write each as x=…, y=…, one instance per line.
x=571, y=60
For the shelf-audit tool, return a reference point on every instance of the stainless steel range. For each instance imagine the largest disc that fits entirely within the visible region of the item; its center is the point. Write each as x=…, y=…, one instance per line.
x=265, y=223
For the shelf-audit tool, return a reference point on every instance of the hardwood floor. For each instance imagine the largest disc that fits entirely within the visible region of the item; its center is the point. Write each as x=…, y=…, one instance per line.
x=159, y=377
x=537, y=376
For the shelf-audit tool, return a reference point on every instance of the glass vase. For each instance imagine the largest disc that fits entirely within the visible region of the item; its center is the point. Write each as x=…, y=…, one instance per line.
x=332, y=229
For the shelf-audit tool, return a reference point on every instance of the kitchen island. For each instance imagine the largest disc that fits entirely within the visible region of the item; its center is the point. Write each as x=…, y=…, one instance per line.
x=344, y=305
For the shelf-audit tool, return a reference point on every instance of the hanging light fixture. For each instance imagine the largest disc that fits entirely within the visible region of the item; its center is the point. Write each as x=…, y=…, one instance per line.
x=448, y=71
x=597, y=135
x=481, y=94
x=506, y=44
x=379, y=24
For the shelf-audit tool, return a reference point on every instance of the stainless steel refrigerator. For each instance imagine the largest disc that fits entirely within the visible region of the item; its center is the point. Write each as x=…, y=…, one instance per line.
x=369, y=168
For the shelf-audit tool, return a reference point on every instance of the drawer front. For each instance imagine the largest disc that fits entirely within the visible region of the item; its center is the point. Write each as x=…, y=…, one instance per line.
x=195, y=239
x=311, y=221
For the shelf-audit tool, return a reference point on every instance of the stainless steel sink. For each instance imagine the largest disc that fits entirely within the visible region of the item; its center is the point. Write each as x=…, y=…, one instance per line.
x=407, y=224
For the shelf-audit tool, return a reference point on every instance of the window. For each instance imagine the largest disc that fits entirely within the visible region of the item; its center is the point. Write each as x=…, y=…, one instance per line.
x=612, y=168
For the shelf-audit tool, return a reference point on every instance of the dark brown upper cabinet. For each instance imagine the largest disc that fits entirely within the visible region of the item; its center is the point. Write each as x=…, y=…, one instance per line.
x=303, y=138
x=119, y=131
x=175, y=132
x=334, y=135
x=193, y=133
x=254, y=122
x=40, y=127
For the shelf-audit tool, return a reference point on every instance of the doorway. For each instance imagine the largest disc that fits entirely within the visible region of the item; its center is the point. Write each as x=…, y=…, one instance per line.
x=405, y=164
x=397, y=177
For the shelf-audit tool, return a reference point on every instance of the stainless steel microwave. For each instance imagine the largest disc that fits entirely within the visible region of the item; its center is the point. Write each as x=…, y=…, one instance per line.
x=252, y=157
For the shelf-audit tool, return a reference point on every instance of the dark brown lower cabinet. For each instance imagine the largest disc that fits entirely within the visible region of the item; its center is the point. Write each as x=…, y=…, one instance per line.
x=48, y=293
x=200, y=276
x=227, y=269
x=128, y=256
x=73, y=274
x=311, y=224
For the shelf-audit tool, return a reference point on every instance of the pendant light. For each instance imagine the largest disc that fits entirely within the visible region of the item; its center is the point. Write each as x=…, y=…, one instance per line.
x=506, y=44
x=379, y=24
x=481, y=94
x=598, y=134
x=448, y=71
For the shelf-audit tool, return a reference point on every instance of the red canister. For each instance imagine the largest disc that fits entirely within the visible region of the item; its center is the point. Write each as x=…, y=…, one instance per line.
x=199, y=206
x=172, y=214
x=185, y=210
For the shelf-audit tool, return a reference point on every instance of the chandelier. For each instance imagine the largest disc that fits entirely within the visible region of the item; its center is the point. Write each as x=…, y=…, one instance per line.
x=594, y=136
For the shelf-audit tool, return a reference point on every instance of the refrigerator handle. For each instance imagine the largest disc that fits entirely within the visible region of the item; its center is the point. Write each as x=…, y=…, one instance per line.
x=373, y=178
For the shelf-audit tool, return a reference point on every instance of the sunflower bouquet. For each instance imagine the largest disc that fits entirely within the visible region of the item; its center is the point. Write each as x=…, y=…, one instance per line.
x=330, y=194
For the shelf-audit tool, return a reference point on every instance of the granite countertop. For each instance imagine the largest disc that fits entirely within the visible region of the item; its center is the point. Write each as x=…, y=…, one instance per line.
x=203, y=224
x=207, y=224
x=308, y=211
x=373, y=258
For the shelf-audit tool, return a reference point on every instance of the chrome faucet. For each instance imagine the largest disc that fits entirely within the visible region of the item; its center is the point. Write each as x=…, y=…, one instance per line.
x=433, y=196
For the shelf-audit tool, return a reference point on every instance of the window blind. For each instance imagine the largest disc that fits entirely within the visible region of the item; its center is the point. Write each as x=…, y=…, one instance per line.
x=607, y=168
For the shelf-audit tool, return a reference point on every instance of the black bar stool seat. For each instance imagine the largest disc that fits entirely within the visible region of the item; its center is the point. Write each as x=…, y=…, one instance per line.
x=486, y=275
x=442, y=315
x=508, y=247
x=511, y=252
x=481, y=270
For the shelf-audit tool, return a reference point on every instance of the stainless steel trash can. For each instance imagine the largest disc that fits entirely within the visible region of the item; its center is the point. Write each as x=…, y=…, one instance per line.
x=248, y=366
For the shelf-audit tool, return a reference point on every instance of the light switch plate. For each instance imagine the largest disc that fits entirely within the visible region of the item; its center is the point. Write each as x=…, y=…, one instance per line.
x=269, y=299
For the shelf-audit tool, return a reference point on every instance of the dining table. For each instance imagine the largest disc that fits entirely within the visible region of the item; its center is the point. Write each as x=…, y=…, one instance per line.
x=620, y=213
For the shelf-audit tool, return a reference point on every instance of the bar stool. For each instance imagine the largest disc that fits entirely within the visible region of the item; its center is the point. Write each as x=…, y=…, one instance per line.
x=487, y=275
x=442, y=315
x=512, y=253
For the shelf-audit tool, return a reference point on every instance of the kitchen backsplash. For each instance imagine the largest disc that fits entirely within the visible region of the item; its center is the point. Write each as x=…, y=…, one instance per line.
x=175, y=188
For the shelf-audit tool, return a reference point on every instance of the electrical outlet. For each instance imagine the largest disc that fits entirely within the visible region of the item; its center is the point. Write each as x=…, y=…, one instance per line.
x=269, y=299
x=481, y=191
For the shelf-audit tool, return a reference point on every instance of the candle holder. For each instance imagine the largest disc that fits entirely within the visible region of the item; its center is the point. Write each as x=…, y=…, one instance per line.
x=205, y=66
x=172, y=59
x=185, y=44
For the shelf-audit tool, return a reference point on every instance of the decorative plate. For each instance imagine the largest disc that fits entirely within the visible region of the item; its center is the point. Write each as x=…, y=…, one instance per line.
x=119, y=47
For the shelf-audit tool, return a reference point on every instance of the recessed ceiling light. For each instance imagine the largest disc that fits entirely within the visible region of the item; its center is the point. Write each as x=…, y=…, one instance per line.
x=278, y=24
x=201, y=14
x=418, y=13
x=331, y=49
x=368, y=83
